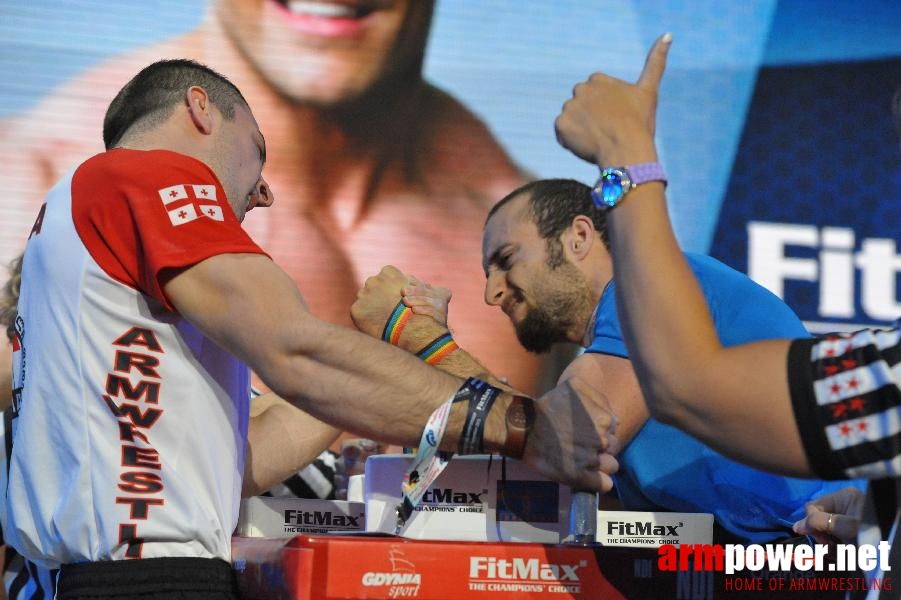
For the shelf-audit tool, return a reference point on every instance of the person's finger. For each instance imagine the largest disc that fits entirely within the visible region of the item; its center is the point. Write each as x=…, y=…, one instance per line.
x=655, y=63
x=413, y=301
x=835, y=525
x=806, y=526
x=846, y=501
x=419, y=288
x=425, y=311
x=613, y=443
x=609, y=464
x=594, y=480
x=391, y=271
x=841, y=527
x=819, y=507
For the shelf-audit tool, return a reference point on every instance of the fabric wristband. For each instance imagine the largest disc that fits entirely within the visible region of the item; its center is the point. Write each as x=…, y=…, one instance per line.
x=435, y=351
x=396, y=323
x=481, y=397
x=520, y=419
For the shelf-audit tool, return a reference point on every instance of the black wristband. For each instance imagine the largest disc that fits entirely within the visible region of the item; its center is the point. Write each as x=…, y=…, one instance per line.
x=481, y=397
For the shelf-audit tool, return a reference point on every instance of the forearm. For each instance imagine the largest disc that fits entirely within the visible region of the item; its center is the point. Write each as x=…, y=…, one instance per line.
x=672, y=340
x=420, y=334
x=371, y=388
x=247, y=304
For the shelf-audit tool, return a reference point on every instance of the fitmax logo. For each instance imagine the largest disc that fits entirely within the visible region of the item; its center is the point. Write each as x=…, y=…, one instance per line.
x=451, y=496
x=624, y=528
x=321, y=519
x=835, y=267
x=520, y=569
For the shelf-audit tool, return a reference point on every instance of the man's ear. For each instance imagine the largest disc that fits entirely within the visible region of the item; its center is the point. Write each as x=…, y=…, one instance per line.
x=579, y=237
x=200, y=109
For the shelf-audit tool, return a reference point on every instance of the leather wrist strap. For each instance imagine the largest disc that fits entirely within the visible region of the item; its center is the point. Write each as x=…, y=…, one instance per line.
x=520, y=419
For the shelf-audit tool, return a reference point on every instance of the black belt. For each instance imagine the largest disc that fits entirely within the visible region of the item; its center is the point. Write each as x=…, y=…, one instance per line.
x=146, y=576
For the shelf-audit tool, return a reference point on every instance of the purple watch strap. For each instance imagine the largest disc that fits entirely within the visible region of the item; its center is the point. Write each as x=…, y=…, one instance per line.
x=645, y=172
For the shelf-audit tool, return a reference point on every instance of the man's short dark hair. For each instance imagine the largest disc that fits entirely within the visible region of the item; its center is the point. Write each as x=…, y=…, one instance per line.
x=553, y=204
x=151, y=96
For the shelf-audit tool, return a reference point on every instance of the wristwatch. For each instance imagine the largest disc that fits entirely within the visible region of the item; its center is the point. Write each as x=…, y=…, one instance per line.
x=616, y=182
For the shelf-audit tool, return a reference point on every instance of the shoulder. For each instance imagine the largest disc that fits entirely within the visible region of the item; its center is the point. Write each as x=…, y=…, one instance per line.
x=717, y=276
x=135, y=175
x=152, y=165
x=742, y=309
x=702, y=263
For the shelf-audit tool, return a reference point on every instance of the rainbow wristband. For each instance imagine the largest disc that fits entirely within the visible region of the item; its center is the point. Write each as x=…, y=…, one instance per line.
x=437, y=349
x=396, y=323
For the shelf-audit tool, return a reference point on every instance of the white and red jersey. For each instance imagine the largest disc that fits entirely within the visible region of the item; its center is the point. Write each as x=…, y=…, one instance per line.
x=130, y=427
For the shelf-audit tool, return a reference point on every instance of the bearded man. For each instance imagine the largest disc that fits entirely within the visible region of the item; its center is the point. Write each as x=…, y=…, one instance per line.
x=547, y=262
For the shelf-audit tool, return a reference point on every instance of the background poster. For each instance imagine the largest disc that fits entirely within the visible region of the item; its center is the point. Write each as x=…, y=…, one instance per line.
x=775, y=121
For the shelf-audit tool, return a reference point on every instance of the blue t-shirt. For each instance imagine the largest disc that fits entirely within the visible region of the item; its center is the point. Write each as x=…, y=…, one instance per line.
x=663, y=468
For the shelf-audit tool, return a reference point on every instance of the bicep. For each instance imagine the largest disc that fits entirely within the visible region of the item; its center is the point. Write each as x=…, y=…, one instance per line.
x=239, y=300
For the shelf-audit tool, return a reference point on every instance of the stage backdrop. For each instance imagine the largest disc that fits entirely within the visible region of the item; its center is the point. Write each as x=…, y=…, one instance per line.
x=775, y=121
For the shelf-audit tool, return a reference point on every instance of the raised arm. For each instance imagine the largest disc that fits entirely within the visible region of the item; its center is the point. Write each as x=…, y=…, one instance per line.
x=734, y=399
x=351, y=381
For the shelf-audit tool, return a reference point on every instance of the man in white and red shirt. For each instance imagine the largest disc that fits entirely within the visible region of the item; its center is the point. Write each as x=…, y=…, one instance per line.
x=142, y=303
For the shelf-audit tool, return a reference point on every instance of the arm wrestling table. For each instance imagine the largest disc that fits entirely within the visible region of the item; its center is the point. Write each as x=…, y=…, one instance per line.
x=325, y=567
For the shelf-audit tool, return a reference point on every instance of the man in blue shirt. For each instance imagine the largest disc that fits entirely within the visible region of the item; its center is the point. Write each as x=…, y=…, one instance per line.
x=548, y=266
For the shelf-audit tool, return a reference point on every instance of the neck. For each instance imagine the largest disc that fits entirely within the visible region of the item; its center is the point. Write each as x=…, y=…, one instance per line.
x=588, y=334
x=600, y=275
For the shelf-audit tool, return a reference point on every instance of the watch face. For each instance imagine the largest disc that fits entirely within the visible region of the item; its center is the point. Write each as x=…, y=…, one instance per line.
x=609, y=188
x=616, y=182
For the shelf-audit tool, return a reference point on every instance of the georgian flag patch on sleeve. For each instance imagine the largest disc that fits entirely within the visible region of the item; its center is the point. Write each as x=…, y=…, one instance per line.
x=185, y=203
